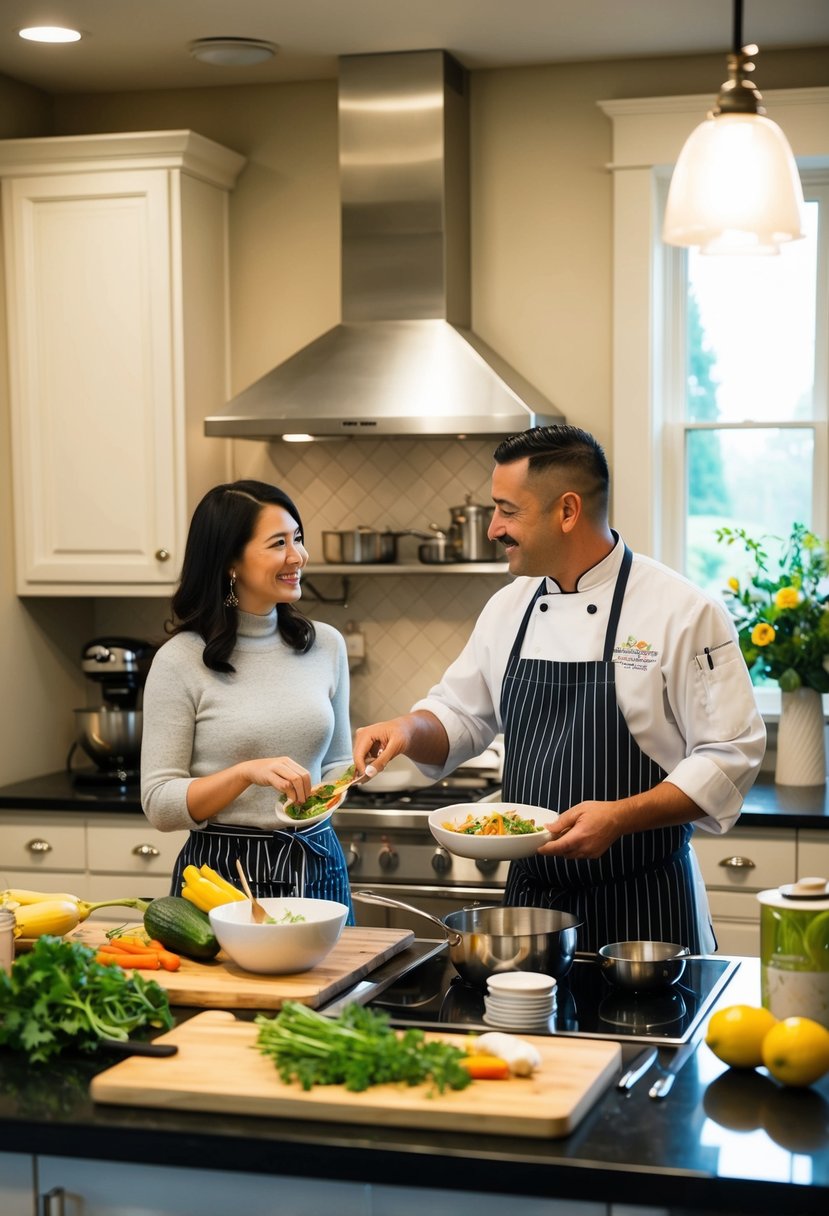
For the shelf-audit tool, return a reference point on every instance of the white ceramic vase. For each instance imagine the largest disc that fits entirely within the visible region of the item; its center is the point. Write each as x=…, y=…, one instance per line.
x=801, y=746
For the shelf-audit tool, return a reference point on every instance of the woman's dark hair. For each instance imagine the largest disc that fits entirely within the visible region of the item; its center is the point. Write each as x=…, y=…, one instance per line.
x=562, y=447
x=222, y=524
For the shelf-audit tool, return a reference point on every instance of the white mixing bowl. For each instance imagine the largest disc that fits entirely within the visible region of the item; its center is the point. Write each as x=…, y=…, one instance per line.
x=282, y=948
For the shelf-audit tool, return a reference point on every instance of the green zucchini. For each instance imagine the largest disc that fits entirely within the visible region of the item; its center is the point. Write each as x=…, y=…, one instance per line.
x=181, y=927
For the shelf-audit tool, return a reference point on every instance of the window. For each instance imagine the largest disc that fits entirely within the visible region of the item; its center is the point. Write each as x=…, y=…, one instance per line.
x=745, y=396
x=650, y=504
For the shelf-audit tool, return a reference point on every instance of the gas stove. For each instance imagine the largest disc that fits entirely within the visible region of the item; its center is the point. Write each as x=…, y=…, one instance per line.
x=388, y=845
x=433, y=996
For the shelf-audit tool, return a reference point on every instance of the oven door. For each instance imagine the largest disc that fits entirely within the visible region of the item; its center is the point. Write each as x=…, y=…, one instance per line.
x=438, y=901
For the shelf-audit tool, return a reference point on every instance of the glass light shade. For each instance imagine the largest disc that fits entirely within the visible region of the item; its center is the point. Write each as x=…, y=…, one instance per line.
x=233, y=52
x=735, y=188
x=49, y=33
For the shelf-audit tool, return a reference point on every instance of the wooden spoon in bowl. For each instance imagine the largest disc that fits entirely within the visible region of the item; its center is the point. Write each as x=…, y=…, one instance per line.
x=257, y=912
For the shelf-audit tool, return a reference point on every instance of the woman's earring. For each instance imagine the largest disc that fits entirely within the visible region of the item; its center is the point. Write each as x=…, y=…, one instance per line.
x=232, y=599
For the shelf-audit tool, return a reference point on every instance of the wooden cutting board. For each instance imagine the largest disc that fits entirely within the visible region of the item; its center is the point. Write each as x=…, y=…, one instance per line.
x=220, y=984
x=216, y=1069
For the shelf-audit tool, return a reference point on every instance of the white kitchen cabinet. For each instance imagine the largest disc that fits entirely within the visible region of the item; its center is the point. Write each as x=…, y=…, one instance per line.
x=16, y=1184
x=735, y=867
x=812, y=854
x=116, y=303
x=95, y=857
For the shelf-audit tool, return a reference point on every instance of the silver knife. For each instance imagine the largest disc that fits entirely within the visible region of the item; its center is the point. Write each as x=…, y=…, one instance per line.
x=661, y=1087
x=638, y=1066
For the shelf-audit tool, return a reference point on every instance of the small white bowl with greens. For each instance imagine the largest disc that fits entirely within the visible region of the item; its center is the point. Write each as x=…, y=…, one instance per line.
x=323, y=802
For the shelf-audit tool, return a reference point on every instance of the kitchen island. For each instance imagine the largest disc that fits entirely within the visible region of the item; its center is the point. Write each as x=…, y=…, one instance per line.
x=721, y=1142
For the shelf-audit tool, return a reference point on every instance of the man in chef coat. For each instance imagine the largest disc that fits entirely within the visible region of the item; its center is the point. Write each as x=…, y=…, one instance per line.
x=622, y=695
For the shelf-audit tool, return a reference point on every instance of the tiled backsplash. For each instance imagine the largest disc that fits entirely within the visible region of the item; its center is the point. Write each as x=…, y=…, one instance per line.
x=414, y=625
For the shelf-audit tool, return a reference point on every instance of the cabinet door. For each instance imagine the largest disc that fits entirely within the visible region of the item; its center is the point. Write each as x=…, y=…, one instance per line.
x=812, y=854
x=16, y=1184
x=92, y=377
x=105, y=1188
x=747, y=861
x=45, y=844
x=132, y=847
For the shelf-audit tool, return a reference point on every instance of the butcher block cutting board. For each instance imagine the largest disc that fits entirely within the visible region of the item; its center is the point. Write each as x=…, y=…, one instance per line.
x=218, y=1069
x=220, y=984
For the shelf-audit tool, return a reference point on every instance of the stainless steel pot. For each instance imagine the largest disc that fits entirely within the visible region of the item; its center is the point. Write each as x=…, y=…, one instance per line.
x=437, y=549
x=110, y=737
x=643, y=966
x=468, y=531
x=360, y=546
x=488, y=940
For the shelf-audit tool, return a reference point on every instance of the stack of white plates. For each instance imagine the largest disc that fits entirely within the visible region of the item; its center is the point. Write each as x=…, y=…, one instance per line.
x=520, y=1000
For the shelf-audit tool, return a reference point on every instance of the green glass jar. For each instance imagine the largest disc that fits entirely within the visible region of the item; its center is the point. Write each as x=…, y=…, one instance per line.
x=794, y=953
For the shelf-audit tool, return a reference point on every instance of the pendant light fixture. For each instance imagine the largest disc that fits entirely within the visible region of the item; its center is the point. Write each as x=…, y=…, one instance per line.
x=735, y=187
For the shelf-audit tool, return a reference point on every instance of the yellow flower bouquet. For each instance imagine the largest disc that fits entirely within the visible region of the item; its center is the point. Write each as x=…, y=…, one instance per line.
x=783, y=619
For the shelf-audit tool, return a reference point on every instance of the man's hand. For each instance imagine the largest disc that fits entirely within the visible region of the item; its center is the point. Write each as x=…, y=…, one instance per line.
x=587, y=830
x=419, y=735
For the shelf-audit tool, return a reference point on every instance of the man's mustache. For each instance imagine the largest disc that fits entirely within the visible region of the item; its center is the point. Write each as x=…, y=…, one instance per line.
x=506, y=540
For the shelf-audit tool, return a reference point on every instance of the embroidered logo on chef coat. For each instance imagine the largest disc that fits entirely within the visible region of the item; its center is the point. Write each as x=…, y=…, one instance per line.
x=634, y=653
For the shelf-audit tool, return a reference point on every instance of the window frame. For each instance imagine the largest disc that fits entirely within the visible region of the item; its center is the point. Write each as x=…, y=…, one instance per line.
x=648, y=134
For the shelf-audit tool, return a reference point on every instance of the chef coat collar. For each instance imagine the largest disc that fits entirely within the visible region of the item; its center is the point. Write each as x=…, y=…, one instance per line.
x=603, y=572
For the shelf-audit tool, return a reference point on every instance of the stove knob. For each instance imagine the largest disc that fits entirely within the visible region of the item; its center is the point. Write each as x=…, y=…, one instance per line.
x=441, y=861
x=352, y=856
x=487, y=865
x=388, y=858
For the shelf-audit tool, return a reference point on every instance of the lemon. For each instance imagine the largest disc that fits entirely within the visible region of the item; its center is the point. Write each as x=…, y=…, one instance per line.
x=736, y=1034
x=796, y=1051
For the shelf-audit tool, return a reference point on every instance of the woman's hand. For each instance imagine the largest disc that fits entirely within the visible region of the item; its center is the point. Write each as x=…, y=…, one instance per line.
x=283, y=773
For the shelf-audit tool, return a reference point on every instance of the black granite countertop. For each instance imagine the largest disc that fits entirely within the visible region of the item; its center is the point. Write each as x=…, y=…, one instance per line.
x=722, y=1141
x=767, y=805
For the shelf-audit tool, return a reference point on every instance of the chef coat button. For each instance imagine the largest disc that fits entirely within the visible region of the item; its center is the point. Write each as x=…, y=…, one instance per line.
x=543, y=607
x=591, y=608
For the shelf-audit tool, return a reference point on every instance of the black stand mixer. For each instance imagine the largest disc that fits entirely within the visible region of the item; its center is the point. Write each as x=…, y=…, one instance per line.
x=110, y=733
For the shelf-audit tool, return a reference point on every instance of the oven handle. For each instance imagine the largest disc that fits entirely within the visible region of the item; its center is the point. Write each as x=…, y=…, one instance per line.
x=470, y=896
x=369, y=897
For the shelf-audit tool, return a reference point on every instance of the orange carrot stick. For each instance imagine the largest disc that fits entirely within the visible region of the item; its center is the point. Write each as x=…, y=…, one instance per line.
x=486, y=1068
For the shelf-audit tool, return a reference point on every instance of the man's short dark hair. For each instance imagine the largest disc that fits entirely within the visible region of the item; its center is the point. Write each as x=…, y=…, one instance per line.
x=564, y=447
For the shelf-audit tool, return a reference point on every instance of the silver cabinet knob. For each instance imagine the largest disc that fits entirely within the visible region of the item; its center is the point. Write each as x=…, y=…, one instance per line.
x=145, y=850
x=162, y=555
x=39, y=846
x=737, y=863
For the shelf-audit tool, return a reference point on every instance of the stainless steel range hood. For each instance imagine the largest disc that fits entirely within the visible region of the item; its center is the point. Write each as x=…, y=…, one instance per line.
x=403, y=361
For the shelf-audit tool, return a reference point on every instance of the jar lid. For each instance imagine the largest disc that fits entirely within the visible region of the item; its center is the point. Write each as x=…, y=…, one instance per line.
x=808, y=894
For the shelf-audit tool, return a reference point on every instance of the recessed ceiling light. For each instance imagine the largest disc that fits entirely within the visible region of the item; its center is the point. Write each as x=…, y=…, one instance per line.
x=49, y=33
x=232, y=52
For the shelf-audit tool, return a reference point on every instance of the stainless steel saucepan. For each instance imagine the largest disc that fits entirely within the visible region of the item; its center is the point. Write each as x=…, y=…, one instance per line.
x=484, y=941
x=643, y=966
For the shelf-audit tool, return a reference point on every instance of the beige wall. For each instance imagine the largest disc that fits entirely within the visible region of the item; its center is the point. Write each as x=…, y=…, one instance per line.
x=541, y=232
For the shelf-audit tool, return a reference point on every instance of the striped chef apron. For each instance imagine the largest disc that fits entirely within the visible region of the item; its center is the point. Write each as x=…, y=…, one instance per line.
x=565, y=742
x=308, y=863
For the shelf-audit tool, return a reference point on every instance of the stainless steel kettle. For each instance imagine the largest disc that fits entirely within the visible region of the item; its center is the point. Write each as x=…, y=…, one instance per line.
x=468, y=532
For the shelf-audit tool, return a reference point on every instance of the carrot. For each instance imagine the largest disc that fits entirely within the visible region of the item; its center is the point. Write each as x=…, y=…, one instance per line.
x=145, y=962
x=168, y=960
x=133, y=953
x=486, y=1068
x=128, y=945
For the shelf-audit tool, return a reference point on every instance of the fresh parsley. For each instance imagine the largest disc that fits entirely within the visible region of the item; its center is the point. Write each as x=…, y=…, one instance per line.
x=57, y=998
x=356, y=1049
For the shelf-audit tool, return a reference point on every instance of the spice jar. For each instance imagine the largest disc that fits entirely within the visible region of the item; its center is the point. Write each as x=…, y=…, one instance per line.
x=6, y=939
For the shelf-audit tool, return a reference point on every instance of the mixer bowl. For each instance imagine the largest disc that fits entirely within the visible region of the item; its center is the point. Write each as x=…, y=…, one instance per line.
x=110, y=737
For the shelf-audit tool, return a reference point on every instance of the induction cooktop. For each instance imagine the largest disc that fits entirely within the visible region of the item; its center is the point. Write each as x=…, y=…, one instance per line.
x=432, y=995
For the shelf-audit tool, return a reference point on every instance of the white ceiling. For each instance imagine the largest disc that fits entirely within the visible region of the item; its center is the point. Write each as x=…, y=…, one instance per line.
x=143, y=44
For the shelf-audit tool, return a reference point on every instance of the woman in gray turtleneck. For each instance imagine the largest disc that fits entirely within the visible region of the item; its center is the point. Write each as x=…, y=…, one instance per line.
x=248, y=699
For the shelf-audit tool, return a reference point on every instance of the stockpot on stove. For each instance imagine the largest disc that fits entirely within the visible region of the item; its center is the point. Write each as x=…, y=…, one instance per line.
x=485, y=941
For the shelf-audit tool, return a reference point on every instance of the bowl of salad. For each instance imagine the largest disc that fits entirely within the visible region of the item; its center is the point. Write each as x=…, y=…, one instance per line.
x=497, y=831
